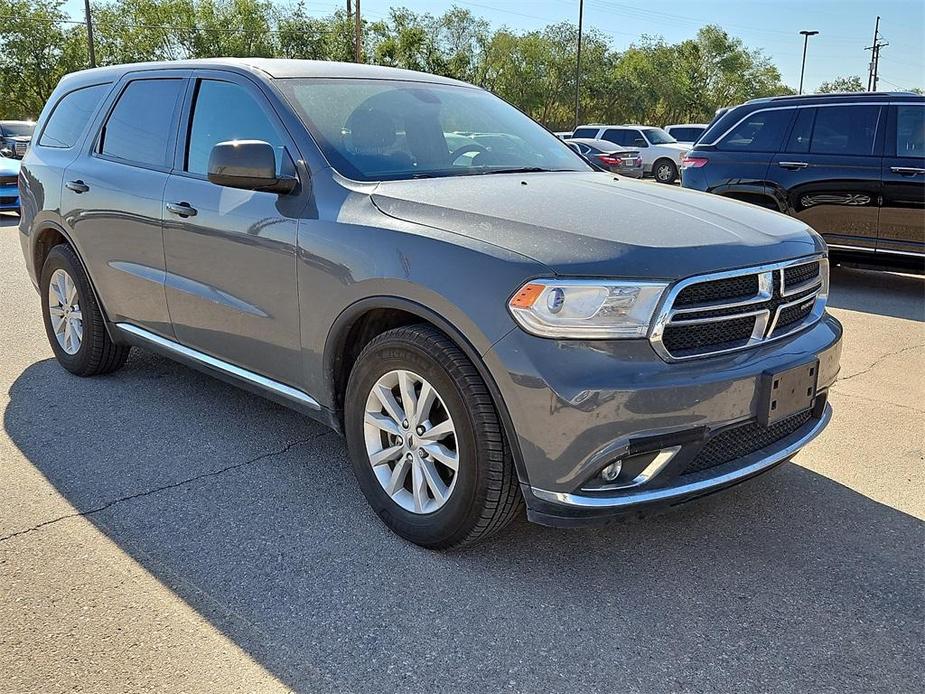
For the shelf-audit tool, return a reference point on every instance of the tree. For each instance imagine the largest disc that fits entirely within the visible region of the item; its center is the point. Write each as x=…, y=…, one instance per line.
x=36, y=50
x=842, y=84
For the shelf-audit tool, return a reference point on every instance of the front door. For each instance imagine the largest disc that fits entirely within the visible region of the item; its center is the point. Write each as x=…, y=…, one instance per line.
x=828, y=173
x=112, y=198
x=231, y=253
x=902, y=217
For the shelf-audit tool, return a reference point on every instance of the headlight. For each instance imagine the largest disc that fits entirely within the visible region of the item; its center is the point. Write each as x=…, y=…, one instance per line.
x=586, y=309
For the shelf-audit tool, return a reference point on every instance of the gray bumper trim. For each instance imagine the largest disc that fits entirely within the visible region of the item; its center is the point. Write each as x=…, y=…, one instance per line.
x=751, y=465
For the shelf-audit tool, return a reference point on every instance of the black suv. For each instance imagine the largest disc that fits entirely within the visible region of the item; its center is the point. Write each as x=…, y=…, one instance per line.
x=852, y=166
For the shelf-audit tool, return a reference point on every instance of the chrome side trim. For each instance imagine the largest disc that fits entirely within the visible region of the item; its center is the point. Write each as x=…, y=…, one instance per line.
x=864, y=249
x=212, y=362
x=755, y=463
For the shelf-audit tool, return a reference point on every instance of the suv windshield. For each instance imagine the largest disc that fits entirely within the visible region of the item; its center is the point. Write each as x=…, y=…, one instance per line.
x=373, y=130
x=16, y=129
x=657, y=136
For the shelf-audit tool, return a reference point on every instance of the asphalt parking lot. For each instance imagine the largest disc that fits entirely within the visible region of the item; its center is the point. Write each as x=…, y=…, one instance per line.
x=160, y=530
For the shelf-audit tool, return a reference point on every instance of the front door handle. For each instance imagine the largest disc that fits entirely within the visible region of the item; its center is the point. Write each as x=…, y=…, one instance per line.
x=183, y=209
x=792, y=164
x=77, y=186
x=907, y=170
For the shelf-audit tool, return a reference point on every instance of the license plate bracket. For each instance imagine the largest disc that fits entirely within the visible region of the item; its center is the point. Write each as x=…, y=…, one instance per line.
x=788, y=392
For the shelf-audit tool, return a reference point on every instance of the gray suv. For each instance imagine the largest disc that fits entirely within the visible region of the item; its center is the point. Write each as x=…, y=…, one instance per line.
x=488, y=321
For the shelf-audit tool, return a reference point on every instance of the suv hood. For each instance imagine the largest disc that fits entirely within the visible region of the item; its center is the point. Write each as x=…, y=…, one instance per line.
x=591, y=224
x=679, y=146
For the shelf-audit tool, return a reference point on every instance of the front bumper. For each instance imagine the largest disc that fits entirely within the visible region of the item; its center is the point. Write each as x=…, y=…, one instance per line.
x=577, y=406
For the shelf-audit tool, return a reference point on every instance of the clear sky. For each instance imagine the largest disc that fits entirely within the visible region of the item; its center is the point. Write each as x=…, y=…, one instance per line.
x=845, y=26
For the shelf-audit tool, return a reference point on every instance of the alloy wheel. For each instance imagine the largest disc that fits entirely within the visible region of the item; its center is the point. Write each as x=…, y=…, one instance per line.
x=411, y=441
x=64, y=311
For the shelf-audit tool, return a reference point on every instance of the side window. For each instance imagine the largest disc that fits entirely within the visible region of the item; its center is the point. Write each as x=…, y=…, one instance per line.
x=910, y=131
x=224, y=111
x=802, y=131
x=761, y=131
x=616, y=136
x=585, y=132
x=140, y=125
x=848, y=130
x=634, y=138
x=71, y=115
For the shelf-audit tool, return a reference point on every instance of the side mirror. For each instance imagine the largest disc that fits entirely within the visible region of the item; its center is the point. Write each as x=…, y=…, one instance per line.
x=639, y=142
x=6, y=152
x=248, y=164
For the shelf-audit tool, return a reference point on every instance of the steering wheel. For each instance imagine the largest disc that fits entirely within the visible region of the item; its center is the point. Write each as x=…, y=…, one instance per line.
x=465, y=149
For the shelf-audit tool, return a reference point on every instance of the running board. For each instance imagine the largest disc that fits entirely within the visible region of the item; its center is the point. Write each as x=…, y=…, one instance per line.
x=257, y=383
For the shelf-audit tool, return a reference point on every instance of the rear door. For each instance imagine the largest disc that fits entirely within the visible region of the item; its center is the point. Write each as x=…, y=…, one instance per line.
x=828, y=173
x=231, y=257
x=902, y=216
x=112, y=198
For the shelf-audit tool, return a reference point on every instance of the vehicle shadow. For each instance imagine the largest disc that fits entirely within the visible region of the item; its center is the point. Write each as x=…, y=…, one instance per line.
x=250, y=514
x=877, y=291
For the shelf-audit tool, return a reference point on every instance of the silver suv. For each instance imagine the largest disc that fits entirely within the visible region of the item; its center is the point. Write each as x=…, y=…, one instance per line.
x=489, y=321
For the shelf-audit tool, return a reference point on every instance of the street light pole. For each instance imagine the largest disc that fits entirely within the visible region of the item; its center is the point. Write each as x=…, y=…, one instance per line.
x=806, y=35
x=581, y=14
x=90, y=46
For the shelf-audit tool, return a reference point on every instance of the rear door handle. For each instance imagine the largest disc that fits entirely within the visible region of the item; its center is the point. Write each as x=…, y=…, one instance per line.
x=907, y=170
x=792, y=164
x=183, y=209
x=77, y=186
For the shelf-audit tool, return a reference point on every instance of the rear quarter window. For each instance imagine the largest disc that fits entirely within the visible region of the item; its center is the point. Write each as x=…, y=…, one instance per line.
x=761, y=131
x=589, y=133
x=70, y=116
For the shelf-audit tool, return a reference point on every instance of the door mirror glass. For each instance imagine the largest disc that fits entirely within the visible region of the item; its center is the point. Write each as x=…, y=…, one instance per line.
x=639, y=142
x=247, y=164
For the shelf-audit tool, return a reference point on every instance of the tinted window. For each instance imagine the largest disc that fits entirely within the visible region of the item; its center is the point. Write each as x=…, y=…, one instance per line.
x=657, y=136
x=223, y=112
x=139, y=127
x=802, y=131
x=17, y=129
x=761, y=131
x=845, y=130
x=585, y=132
x=910, y=131
x=70, y=116
x=686, y=134
x=625, y=137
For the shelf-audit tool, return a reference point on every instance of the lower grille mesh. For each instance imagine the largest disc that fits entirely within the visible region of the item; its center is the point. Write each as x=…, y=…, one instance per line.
x=743, y=440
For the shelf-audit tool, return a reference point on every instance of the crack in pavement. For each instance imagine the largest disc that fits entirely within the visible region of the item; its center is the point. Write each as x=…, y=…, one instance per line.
x=842, y=394
x=880, y=360
x=82, y=514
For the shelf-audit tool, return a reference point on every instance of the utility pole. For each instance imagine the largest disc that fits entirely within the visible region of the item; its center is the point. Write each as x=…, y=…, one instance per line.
x=349, y=10
x=806, y=35
x=875, y=57
x=90, y=47
x=358, y=37
x=581, y=14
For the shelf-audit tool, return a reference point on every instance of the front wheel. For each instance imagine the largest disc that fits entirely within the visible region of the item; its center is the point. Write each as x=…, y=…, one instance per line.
x=425, y=440
x=665, y=170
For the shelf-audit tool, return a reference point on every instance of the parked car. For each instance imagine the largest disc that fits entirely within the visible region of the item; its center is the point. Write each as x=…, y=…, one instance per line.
x=852, y=166
x=486, y=331
x=609, y=156
x=563, y=134
x=661, y=154
x=9, y=187
x=687, y=133
x=15, y=136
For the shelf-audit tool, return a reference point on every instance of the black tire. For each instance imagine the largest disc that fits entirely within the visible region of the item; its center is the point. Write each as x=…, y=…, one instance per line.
x=97, y=353
x=486, y=496
x=665, y=171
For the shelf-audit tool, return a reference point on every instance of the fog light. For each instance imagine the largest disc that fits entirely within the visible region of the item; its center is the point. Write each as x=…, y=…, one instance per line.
x=612, y=471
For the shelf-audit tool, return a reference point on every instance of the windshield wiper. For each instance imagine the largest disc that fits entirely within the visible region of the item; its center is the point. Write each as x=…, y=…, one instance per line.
x=518, y=169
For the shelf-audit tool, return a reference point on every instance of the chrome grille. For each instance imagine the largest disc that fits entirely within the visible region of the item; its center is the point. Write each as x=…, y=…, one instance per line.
x=727, y=311
x=20, y=148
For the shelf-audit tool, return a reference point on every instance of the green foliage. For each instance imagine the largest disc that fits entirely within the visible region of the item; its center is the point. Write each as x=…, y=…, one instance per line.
x=842, y=84
x=651, y=82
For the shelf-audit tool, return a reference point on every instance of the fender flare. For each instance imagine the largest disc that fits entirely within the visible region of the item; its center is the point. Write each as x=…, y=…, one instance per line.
x=340, y=328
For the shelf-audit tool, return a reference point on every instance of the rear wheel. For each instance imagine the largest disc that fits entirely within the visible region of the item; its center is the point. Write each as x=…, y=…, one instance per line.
x=73, y=320
x=665, y=171
x=425, y=440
